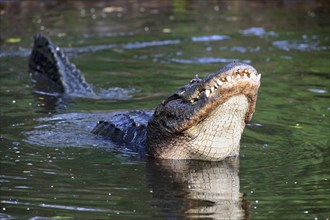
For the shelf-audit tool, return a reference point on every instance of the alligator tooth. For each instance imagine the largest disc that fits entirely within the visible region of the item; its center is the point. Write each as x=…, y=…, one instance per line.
x=245, y=76
x=219, y=82
x=245, y=71
x=259, y=76
x=191, y=101
x=212, y=89
x=238, y=76
x=207, y=92
x=228, y=78
x=238, y=70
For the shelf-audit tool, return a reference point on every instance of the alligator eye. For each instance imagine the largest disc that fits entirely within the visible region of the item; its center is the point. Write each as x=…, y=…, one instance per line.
x=196, y=79
x=193, y=100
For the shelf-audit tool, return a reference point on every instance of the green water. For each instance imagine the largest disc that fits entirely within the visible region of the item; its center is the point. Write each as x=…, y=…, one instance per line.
x=52, y=167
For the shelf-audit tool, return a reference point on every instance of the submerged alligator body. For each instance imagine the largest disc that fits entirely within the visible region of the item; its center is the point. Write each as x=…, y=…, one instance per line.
x=203, y=120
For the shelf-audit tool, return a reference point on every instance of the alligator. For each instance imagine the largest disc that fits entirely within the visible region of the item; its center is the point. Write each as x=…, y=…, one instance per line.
x=202, y=120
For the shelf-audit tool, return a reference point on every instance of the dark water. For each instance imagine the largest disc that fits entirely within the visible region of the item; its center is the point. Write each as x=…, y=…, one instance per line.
x=135, y=53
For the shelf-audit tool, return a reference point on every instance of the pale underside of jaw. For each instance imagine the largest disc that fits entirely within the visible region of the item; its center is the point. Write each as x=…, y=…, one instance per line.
x=218, y=136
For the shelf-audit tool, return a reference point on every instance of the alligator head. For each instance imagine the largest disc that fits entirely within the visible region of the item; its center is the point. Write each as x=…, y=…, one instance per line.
x=205, y=119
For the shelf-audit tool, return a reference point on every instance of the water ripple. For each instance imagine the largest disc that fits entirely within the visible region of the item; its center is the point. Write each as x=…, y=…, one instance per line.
x=204, y=60
x=301, y=45
x=258, y=31
x=320, y=91
x=138, y=45
x=210, y=38
x=84, y=209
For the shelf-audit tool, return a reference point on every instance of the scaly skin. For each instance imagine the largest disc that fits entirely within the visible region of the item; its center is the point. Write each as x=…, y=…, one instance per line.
x=203, y=120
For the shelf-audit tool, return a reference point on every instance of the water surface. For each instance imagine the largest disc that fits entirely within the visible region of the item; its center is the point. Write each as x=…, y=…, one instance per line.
x=136, y=53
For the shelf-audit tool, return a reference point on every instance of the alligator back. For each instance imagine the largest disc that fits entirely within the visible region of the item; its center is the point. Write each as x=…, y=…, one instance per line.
x=128, y=128
x=52, y=73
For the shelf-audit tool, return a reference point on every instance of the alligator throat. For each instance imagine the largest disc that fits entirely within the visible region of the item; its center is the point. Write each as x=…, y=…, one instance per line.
x=214, y=138
x=219, y=134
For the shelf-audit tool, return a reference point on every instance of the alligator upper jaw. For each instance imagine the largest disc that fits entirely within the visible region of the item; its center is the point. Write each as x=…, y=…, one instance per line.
x=194, y=102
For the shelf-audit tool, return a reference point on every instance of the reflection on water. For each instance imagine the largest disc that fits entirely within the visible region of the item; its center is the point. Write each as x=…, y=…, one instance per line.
x=197, y=188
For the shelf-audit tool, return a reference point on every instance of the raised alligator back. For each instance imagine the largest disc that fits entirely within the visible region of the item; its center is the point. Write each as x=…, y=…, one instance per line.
x=52, y=73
